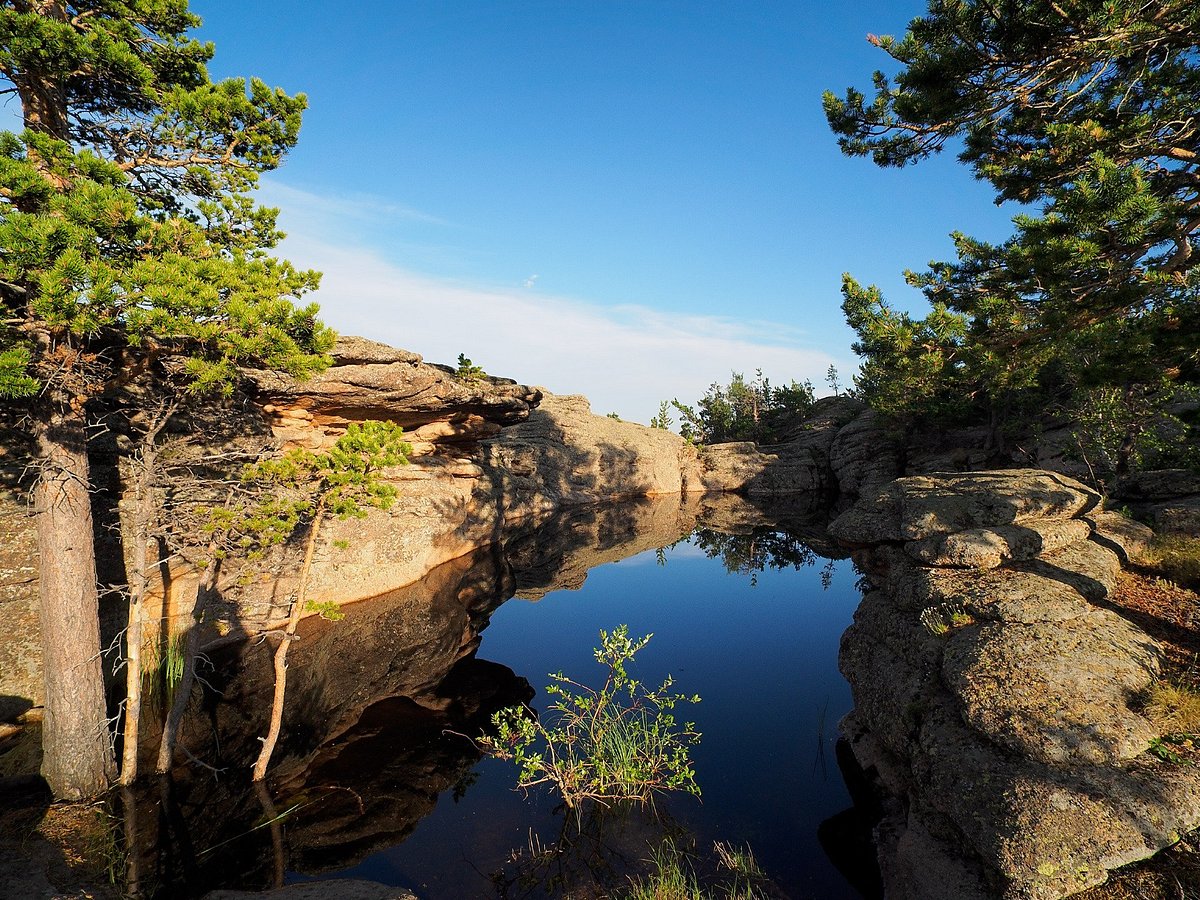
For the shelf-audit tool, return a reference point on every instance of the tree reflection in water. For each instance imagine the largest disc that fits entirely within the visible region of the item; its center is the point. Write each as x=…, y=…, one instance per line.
x=763, y=547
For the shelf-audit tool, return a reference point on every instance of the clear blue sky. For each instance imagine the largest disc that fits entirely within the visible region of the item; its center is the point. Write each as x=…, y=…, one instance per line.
x=622, y=199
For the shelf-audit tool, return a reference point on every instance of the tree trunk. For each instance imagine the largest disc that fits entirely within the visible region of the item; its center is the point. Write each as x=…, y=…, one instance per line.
x=133, y=692
x=145, y=469
x=274, y=821
x=264, y=757
x=77, y=757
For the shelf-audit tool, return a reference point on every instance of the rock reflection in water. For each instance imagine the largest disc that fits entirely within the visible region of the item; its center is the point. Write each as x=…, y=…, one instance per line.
x=365, y=752
x=363, y=756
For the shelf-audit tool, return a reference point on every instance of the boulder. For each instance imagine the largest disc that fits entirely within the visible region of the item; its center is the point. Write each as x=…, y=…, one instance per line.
x=563, y=453
x=995, y=701
x=865, y=455
x=922, y=506
x=1056, y=692
x=1154, y=485
x=764, y=470
x=369, y=380
x=1169, y=498
x=1128, y=538
x=1180, y=516
x=987, y=548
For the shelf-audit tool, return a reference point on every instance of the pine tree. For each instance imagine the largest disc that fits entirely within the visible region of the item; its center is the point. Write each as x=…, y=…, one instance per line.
x=129, y=236
x=1086, y=111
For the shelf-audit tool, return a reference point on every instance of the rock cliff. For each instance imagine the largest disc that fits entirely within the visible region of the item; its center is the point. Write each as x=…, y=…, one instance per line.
x=487, y=453
x=996, y=697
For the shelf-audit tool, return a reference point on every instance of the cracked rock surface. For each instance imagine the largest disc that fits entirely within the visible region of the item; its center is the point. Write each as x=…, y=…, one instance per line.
x=996, y=698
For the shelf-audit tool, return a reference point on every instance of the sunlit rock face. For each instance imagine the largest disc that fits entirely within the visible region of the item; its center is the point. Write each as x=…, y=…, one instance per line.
x=487, y=454
x=369, y=380
x=995, y=696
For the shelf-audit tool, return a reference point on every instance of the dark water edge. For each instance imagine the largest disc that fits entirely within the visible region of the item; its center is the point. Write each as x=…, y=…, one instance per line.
x=370, y=782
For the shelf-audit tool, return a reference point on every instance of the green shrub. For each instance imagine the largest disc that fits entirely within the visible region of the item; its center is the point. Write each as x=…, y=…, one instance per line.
x=620, y=742
x=468, y=371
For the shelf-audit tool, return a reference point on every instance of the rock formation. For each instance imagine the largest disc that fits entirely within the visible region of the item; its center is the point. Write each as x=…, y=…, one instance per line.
x=370, y=380
x=996, y=698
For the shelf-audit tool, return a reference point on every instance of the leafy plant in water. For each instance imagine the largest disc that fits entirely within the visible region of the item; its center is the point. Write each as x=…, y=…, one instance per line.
x=620, y=742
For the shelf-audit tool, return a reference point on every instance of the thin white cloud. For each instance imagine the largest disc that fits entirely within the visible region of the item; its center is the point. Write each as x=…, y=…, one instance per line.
x=307, y=207
x=625, y=358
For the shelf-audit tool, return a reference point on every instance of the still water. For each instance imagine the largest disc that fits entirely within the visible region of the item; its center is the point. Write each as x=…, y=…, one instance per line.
x=373, y=778
x=759, y=646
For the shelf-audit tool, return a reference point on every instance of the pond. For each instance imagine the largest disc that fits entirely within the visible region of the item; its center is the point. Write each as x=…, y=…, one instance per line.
x=743, y=611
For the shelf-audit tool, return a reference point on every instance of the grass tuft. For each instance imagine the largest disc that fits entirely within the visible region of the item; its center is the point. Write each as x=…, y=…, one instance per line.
x=1177, y=559
x=1175, y=708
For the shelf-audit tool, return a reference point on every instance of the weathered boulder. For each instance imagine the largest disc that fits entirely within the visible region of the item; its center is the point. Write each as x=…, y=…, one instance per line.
x=563, y=453
x=995, y=702
x=1056, y=692
x=369, y=380
x=765, y=469
x=922, y=506
x=987, y=548
x=1126, y=537
x=822, y=423
x=1170, y=498
x=865, y=455
x=1155, y=485
x=453, y=501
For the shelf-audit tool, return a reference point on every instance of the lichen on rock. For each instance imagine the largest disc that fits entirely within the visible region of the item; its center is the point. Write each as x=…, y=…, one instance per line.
x=1008, y=733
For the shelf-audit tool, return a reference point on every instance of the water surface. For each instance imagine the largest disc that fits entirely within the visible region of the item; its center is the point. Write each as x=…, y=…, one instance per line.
x=760, y=647
x=372, y=778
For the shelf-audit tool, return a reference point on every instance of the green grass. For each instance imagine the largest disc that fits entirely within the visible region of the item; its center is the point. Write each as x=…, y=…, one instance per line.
x=673, y=878
x=162, y=667
x=1177, y=558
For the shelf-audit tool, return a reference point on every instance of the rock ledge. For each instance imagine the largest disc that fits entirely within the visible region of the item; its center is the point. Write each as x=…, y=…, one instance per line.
x=996, y=697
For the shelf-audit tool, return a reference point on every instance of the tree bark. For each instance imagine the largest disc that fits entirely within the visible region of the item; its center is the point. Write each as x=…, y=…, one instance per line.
x=77, y=759
x=43, y=103
x=145, y=470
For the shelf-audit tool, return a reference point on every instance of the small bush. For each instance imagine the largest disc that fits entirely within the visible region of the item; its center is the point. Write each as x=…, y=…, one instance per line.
x=468, y=371
x=616, y=743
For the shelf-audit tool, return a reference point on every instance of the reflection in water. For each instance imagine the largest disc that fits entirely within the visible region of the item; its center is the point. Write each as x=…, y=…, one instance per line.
x=763, y=547
x=366, y=751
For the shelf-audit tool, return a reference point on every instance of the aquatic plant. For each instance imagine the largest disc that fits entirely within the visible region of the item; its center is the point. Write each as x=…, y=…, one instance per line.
x=618, y=742
x=672, y=876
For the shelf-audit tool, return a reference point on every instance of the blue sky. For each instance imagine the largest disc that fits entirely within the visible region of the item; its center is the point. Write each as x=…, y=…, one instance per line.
x=622, y=199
